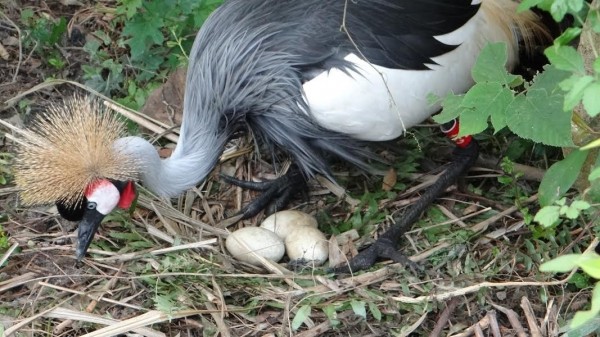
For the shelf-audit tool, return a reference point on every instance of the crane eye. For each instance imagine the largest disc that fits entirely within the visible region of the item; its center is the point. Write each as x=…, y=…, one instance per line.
x=91, y=205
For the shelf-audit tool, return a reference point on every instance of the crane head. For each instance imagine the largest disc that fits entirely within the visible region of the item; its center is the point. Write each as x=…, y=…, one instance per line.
x=68, y=157
x=100, y=198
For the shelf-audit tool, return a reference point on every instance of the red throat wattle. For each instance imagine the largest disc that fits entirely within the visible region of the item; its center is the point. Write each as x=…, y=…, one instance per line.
x=127, y=195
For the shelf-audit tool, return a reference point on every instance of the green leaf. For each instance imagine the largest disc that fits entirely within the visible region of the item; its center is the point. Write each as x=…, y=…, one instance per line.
x=540, y=117
x=26, y=15
x=359, y=308
x=591, y=99
x=483, y=100
x=547, y=215
x=586, y=329
x=580, y=205
x=561, y=264
x=57, y=31
x=568, y=35
x=331, y=313
x=129, y=7
x=565, y=58
x=301, y=316
x=575, y=91
x=582, y=317
x=375, y=311
x=596, y=296
x=527, y=4
x=580, y=280
x=595, y=174
x=575, y=5
x=559, y=9
x=561, y=202
x=570, y=213
x=596, y=66
x=144, y=31
x=590, y=263
x=593, y=19
x=550, y=79
x=491, y=65
x=560, y=177
x=451, y=108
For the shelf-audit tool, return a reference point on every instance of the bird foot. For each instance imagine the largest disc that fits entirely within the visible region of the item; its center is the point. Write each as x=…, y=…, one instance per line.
x=383, y=248
x=276, y=194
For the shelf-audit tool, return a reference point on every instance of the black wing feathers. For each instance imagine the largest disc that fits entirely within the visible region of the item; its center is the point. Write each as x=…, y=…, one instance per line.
x=400, y=34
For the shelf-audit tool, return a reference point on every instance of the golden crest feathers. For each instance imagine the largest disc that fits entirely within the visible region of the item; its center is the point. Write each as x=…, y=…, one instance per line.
x=525, y=26
x=66, y=149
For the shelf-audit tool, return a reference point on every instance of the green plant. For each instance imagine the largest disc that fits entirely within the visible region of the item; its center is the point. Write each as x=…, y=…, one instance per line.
x=590, y=264
x=366, y=215
x=550, y=215
x=5, y=171
x=557, y=108
x=4, y=244
x=510, y=179
x=543, y=110
x=42, y=34
x=156, y=35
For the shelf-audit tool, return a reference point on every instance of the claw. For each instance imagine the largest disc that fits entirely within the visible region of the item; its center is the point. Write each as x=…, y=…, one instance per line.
x=276, y=194
x=380, y=249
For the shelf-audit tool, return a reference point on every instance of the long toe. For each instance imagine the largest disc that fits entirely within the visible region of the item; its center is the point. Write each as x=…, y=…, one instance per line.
x=381, y=249
x=275, y=194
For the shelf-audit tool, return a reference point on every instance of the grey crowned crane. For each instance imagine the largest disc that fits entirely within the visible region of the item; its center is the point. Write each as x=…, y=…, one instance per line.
x=311, y=77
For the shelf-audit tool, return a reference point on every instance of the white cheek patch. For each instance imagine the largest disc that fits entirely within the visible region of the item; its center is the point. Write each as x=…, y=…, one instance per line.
x=106, y=196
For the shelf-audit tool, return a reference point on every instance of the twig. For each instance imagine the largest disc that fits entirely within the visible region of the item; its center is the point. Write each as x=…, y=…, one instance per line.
x=144, y=121
x=534, y=329
x=529, y=172
x=494, y=328
x=484, y=323
x=28, y=320
x=20, y=46
x=344, y=29
x=513, y=318
x=478, y=330
x=550, y=324
x=8, y=253
x=407, y=331
x=218, y=318
x=484, y=224
x=320, y=329
x=149, y=318
x=443, y=319
x=476, y=288
x=62, y=313
x=83, y=293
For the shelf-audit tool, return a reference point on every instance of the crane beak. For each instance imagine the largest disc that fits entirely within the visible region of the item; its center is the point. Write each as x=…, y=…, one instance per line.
x=87, y=228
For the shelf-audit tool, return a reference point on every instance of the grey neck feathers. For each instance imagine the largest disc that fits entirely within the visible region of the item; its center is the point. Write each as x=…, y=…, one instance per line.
x=172, y=176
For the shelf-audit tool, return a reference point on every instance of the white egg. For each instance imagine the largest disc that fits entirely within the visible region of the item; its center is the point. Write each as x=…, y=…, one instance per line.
x=284, y=222
x=307, y=245
x=248, y=240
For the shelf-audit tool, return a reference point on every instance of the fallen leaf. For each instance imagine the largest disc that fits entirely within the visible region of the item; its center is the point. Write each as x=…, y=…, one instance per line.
x=389, y=180
x=166, y=102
